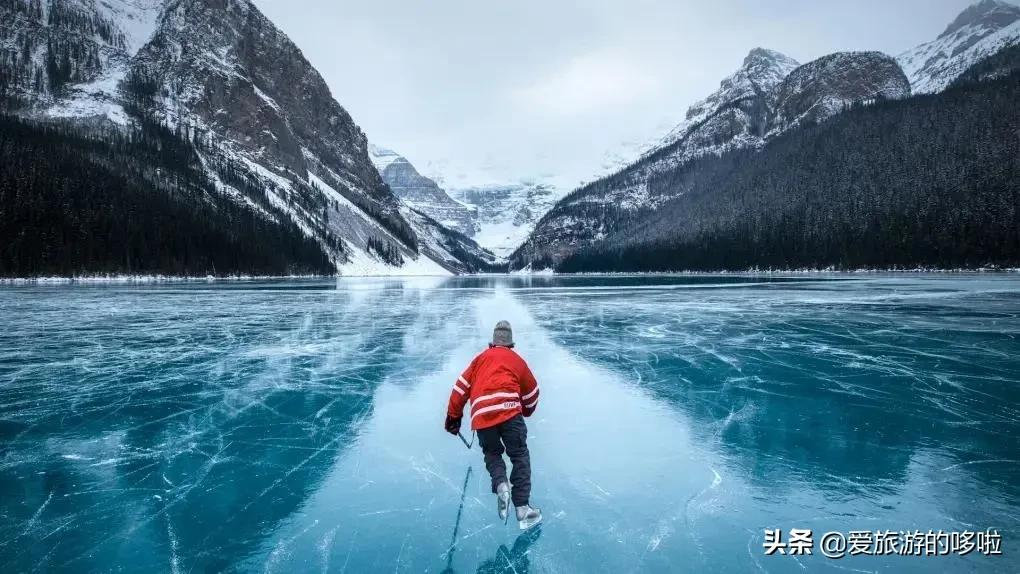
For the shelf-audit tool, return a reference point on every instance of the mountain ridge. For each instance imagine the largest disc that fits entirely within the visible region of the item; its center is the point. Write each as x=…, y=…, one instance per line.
x=422, y=193
x=978, y=31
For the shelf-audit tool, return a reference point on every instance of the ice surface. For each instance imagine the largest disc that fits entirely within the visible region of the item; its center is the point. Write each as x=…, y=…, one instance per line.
x=297, y=426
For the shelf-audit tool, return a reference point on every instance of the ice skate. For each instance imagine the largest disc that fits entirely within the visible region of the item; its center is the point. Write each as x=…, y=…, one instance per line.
x=528, y=516
x=503, y=501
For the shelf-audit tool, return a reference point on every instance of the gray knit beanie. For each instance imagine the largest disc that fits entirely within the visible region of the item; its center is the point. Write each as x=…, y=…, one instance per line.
x=502, y=335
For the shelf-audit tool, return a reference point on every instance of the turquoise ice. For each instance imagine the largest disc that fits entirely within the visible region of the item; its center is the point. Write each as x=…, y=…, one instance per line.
x=297, y=426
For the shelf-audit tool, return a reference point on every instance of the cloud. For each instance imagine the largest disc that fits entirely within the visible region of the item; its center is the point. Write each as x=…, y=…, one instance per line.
x=588, y=84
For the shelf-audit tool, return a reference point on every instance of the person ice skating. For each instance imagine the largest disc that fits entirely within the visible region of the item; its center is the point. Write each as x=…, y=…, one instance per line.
x=502, y=392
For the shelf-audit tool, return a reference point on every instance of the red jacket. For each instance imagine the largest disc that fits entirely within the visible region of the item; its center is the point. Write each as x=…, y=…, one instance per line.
x=499, y=385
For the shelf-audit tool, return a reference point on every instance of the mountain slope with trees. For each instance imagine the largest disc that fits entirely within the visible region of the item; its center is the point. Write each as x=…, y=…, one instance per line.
x=809, y=93
x=81, y=201
x=610, y=213
x=929, y=181
x=264, y=129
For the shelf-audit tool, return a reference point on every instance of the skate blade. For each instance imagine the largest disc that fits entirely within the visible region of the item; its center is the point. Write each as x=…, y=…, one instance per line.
x=505, y=515
x=525, y=524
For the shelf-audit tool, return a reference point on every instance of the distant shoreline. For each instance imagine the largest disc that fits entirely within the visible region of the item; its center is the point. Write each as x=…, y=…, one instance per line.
x=122, y=279
x=151, y=279
x=915, y=271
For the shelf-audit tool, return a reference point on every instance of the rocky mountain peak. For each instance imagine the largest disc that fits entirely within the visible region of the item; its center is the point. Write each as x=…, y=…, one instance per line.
x=421, y=193
x=766, y=64
x=824, y=87
x=988, y=14
x=382, y=157
x=762, y=70
x=981, y=30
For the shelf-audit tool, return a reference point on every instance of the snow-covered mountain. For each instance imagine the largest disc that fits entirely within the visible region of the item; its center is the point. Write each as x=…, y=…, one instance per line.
x=507, y=213
x=734, y=115
x=423, y=194
x=824, y=87
x=229, y=80
x=766, y=96
x=498, y=216
x=979, y=31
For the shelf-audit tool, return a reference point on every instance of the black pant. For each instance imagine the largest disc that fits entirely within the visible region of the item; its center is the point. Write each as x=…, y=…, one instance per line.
x=513, y=435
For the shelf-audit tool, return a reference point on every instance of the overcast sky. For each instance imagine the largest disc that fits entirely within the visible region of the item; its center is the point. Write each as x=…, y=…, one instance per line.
x=479, y=91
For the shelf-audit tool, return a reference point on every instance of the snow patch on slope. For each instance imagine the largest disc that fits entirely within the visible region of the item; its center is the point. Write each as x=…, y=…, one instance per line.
x=361, y=264
x=501, y=237
x=94, y=99
x=136, y=20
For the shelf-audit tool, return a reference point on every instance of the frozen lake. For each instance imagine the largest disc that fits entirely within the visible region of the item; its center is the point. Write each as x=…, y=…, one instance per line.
x=297, y=426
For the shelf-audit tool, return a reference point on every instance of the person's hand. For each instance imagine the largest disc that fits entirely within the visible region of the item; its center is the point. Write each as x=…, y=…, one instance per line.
x=452, y=424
